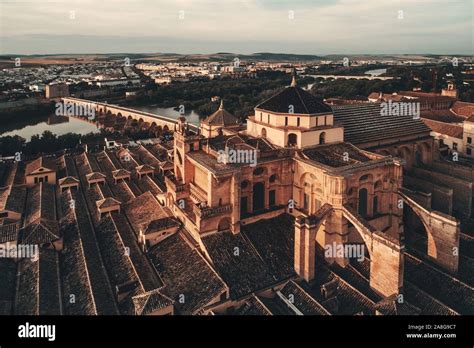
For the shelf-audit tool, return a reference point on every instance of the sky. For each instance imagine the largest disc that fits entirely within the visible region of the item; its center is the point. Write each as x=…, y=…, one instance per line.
x=239, y=26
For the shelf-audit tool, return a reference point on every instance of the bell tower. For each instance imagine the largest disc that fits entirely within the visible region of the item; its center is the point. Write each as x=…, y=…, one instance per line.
x=185, y=141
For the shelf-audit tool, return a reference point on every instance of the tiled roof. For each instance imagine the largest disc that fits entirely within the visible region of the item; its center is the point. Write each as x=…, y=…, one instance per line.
x=463, y=109
x=451, y=130
x=150, y=302
x=9, y=232
x=40, y=203
x=8, y=270
x=95, y=176
x=145, y=168
x=41, y=231
x=48, y=163
x=253, y=306
x=38, y=285
x=446, y=116
x=68, y=180
x=16, y=199
x=303, y=102
x=364, y=123
x=160, y=224
x=143, y=210
x=302, y=300
x=237, y=262
x=120, y=173
x=221, y=118
x=274, y=241
x=107, y=203
x=392, y=306
x=186, y=275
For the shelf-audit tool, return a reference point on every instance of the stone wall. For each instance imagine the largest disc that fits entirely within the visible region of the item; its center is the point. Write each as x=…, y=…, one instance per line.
x=462, y=190
x=440, y=197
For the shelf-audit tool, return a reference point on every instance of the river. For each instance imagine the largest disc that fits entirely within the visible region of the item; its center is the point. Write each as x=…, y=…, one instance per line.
x=191, y=117
x=54, y=124
x=63, y=125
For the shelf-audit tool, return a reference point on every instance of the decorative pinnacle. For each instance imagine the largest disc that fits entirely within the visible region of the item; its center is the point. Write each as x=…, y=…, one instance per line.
x=222, y=104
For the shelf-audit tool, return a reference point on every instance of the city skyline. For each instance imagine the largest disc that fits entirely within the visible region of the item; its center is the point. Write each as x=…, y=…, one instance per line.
x=305, y=27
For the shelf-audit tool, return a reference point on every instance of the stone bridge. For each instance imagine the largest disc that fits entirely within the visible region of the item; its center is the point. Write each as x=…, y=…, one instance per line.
x=353, y=77
x=443, y=233
x=167, y=123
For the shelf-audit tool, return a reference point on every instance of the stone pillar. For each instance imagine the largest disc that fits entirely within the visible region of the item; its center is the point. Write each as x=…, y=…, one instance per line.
x=336, y=234
x=235, y=201
x=299, y=244
x=386, y=267
x=443, y=243
x=309, y=249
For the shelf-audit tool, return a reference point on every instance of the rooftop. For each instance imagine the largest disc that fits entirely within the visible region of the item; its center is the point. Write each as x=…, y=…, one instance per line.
x=336, y=154
x=451, y=130
x=303, y=102
x=365, y=123
x=185, y=273
x=221, y=118
x=40, y=162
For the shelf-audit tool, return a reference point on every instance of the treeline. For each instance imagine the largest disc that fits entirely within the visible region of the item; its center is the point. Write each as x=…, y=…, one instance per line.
x=44, y=143
x=240, y=95
x=357, y=88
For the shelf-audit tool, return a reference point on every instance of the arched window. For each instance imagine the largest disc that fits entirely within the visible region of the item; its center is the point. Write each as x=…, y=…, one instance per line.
x=322, y=138
x=244, y=184
x=272, y=178
x=363, y=202
x=264, y=133
x=292, y=139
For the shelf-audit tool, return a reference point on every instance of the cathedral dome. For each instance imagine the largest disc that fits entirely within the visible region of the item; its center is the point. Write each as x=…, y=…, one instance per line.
x=302, y=102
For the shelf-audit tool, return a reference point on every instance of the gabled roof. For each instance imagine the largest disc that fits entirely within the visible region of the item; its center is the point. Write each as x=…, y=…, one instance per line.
x=303, y=102
x=161, y=224
x=40, y=162
x=150, y=302
x=120, y=173
x=41, y=231
x=68, y=180
x=145, y=168
x=107, y=203
x=95, y=176
x=221, y=118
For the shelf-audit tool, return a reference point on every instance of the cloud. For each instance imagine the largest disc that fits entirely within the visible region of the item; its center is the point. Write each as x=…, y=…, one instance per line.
x=313, y=26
